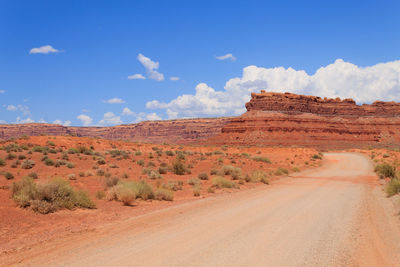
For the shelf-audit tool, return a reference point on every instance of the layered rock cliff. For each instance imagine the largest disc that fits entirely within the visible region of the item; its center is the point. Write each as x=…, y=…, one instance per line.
x=170, y=131
x=290, y=119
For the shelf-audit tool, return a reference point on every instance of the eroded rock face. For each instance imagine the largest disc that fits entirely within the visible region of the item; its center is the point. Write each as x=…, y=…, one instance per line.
x=290, y=119
x=169, y=131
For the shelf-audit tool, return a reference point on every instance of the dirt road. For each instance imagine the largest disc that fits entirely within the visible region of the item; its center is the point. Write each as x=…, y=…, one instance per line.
x=334, y=216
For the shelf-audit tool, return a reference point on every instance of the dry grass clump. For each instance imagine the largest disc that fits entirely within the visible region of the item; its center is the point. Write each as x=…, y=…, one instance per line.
x=222, y=182
x=203, y=176
x=173, y=185
x=164, y=194
x=235, y=172
x=196, y=190
x=27, y=164
x=262, y=159
x=385, y=170
x=49, y=196
x=257, y=176
x=392, y=187
x=194, y=181
x=281, y=171
x=127, y=192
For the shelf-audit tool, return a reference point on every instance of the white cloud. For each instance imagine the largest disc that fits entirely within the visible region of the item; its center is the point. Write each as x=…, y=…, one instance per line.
x=42, y=120
x=3, y=122
x=24, y=109
x=340, y=79
x=114, y=100
x=11, y=108
x=46, y=49
x=128, y=112
x=137, y=76
x=109, y=118
x=227, y=56
x=26, y=120
x=2, y=91
x=65, y=123
x=153, y=117
x=174, y=78
x=85, y=119
x=151, y=68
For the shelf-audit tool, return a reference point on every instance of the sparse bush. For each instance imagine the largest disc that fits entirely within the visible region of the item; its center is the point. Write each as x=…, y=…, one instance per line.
x=101, y=161
x=194, y=181
x=10, y=156
x=110, y=182
x=296, y=169
x=70, y=165
x=196, y=190
x=100, y=172
x=214, y=172
x=235, y=172
x=169, y=153
x=173, y=185
x=113, y=166
x=203, y=176
x=385, y=170
x=262, y=159
x=21, y=157
x=392, y=187
x=71, y=176
x=138, y=153
x=100, y=194
x=221, y=182
x=8, y=175
x=163, y=194
x=178, y=168
x=162, y=170
x=49, y=162
x=81, y=174
x=316, y=156
x=2, y=162
x=386, y=155
x=153, y=174
x=50, y=196
x=281, y=171
x=28, y=164
x=33, y=175
x=140, y=162
x=257, y=176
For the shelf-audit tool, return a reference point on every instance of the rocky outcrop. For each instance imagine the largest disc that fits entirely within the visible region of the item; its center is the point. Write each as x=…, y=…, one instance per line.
x=170, y=131
x=290, y=119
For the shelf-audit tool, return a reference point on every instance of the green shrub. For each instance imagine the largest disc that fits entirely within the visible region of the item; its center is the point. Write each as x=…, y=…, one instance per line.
x=48, y=162
x=178, y=168
x=8, y=175
x=316, y=156
x=169, y=153
x=50, y=196
x=140, y=162
x=203, y=176
x=262, y=159
x=2, y=162
x=221, y=182
x=11, y=156
x=21, y=157
x=162, y=170
x=70, y=165
x=100, y=172
x=385, y=170
x=235, y=172
x=386, y=155
x=138, y=153
x=28, y=164
x=101, y=162
x=392, y=187
x=163, y=194
x=39, y=149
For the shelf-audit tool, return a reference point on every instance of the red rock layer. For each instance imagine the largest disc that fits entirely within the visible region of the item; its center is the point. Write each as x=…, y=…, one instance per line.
x=289, y=119
x=170, y=131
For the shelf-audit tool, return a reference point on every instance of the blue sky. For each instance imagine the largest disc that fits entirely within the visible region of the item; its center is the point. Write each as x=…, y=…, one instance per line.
x=328, y=48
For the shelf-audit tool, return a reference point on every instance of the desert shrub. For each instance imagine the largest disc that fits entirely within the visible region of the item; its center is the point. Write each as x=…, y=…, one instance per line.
x=173, y=185
x=50, y=143
x=316, y=156
x=162, y=170
x=296, y=169
x=138, y=153
x=50, y=196
x=125, y=175
x=33, y=175
x=169, y=153
x=196, y=190
x=178, y=167
x=194, y=181
x=73, y=150
x=214, y=172
x=39, y=149
x=8, y=175
x=235, y=172
x=392, y=187
x=48, y=162
x=11, y=156
x=110, y=182
x=81, y=174
x=385, y=170
x=140, y=162
x=217, y=152
x=221, y=182
x=257, y=176
x=2, y=162
x=15, y=164
x=107, y=175
x=151, y=164
x=210, y=190
x=71, y=176
x=386, y=155
x=100, y=194
x=203, y=176
x=281, y=171
x=21, y=157
x=100, y=172
x=113, y=166
x=70, y=165
x=65, y=156
x=262, y=159
x=101, y=161
x=164, y=194
x=28, y=164
x=153, y=174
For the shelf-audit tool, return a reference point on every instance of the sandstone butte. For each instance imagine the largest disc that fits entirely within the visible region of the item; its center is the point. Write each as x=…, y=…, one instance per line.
x=272, y=119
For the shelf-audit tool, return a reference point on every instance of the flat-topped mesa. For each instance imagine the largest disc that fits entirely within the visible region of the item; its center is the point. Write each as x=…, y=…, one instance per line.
x=296, y=104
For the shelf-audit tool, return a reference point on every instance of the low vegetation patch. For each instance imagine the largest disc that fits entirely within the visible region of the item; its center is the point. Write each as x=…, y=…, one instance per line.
x=222, y=182
x=385, y=170
x=392, y=187
x=262, y=159
x=49, y=196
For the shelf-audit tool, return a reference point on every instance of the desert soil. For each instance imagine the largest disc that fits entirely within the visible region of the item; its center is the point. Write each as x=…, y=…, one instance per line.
x=336, y=215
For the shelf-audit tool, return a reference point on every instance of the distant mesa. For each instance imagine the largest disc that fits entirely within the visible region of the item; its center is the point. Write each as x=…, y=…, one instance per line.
x=272, y=119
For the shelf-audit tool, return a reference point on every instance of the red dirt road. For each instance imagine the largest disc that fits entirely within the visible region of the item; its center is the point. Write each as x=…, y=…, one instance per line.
x=333, y=216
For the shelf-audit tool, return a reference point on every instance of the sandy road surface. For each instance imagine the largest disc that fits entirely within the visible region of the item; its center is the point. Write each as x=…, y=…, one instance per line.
x=334, y=216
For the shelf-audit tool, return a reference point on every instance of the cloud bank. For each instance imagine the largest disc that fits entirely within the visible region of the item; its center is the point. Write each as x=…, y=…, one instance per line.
x=227, y=56
x=339, y=79
x=46, y=49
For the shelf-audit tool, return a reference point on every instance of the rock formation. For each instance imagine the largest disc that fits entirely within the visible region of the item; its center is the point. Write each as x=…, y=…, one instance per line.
x=290, y=119
x=169, y=131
